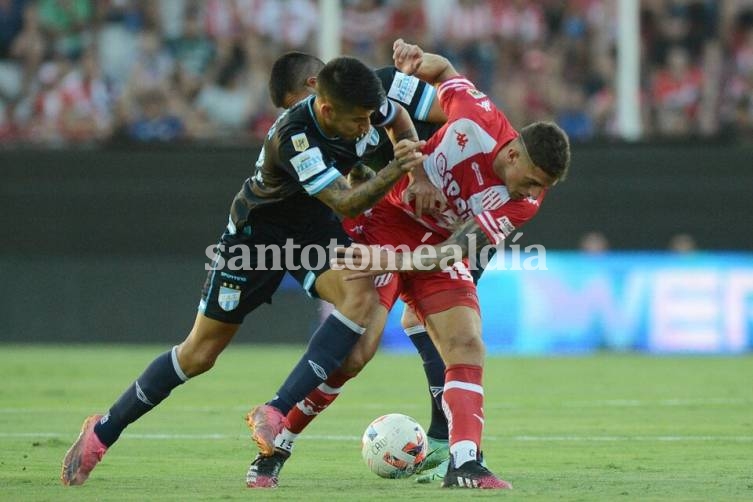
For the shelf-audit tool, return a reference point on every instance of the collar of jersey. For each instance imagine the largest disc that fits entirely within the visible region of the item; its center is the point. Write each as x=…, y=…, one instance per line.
x=310, y=104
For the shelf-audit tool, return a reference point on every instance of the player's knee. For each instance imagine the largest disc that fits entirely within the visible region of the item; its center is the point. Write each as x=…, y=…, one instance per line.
x=194, y=361
x=467, y=344
x=359, y=306
x=409, y=319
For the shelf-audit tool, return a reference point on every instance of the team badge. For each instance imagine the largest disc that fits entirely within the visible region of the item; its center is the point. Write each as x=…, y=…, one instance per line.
x=229, y=297
x=300, y=142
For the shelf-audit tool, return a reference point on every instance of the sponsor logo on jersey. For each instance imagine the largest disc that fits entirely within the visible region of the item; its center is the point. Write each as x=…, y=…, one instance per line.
x=403, y=88
x=229, y=296
x=461, y=139
x=308, y=163
x=300, y=142
x=476, y=93
x=236, y=278
x=505, y=225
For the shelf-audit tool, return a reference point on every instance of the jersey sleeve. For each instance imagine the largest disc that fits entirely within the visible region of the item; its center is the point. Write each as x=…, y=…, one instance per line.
x=303, y=160
x=499, y=223
x=415, y=95
x=385, y=114
x=458, y=97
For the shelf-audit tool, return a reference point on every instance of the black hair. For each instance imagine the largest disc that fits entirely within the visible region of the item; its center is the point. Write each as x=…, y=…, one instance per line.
x=290, y=73
x=549, y=148
x=347, y=82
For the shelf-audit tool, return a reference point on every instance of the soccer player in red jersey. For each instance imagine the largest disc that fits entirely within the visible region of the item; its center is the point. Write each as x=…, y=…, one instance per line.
x=495, y=179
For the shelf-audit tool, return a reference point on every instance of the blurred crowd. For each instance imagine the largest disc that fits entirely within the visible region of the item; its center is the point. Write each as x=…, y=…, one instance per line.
x=88, y=72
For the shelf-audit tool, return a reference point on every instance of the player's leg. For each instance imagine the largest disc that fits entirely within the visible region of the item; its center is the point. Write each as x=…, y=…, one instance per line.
x=434, y=369
x=447, y=303
x=318, y=400
x=355, y=303
x=226, y=299
x=167, y=371
x=264, y=471
x=388, y=288
x=457, y=331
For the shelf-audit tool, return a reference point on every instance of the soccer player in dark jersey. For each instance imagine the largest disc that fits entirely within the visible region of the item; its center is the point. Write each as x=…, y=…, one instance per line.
x=292, y=79
x=292, y=201
x=495, y=179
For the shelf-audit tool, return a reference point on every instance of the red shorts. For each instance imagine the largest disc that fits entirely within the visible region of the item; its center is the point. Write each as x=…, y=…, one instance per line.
x=426, y=292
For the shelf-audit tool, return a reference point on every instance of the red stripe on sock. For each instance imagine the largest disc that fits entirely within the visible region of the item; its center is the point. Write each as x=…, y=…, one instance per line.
x=317, y=401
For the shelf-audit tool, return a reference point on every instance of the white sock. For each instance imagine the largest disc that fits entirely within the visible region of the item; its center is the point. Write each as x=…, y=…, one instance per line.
x=285, y=440
x=462, y=452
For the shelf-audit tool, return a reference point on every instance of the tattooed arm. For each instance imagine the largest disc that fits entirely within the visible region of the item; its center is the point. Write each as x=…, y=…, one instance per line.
x=351, y=201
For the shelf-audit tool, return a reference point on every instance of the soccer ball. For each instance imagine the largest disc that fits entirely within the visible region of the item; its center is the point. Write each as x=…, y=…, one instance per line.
x=394, y=445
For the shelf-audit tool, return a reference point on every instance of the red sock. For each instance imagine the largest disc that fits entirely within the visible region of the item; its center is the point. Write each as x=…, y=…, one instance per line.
x=463, y=402
x=316, y=402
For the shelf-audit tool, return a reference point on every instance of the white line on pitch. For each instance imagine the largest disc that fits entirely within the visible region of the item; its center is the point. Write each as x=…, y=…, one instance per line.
x=324, y=437
x=610, y=403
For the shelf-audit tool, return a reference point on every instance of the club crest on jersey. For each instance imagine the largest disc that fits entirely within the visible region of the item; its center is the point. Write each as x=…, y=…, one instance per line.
x=300, y=142
x=476, y=93
x=229, y=296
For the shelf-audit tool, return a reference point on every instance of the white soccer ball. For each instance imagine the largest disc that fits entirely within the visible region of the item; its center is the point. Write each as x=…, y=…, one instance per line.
x=394, y=445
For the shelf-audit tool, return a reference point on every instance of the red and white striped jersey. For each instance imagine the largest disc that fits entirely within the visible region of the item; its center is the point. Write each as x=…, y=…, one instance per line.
x=460, y=163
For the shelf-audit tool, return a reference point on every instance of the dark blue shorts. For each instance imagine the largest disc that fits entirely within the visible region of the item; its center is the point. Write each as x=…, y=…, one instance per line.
x=246, y=271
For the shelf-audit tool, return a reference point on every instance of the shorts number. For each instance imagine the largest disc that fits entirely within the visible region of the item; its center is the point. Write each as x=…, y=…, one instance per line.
x=459, y=271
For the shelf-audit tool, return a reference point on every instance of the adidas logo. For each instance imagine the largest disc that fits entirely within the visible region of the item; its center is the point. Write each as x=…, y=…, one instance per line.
x=467, y=482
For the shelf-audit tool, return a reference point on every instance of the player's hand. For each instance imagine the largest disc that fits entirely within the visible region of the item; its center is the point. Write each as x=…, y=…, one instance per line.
x=407, y=57
x=429, y=199
x=408, y=154
x=366, y=261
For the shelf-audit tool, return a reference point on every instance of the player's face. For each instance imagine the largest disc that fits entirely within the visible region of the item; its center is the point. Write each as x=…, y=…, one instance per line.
x=350, y=123
x=523, y=179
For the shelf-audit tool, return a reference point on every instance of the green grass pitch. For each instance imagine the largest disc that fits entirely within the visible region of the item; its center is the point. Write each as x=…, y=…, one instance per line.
x=602, y=427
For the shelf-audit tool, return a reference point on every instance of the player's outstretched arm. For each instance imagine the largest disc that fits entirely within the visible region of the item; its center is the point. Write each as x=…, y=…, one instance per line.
x=412, y=60
x=369, y=261
x=351, y=201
